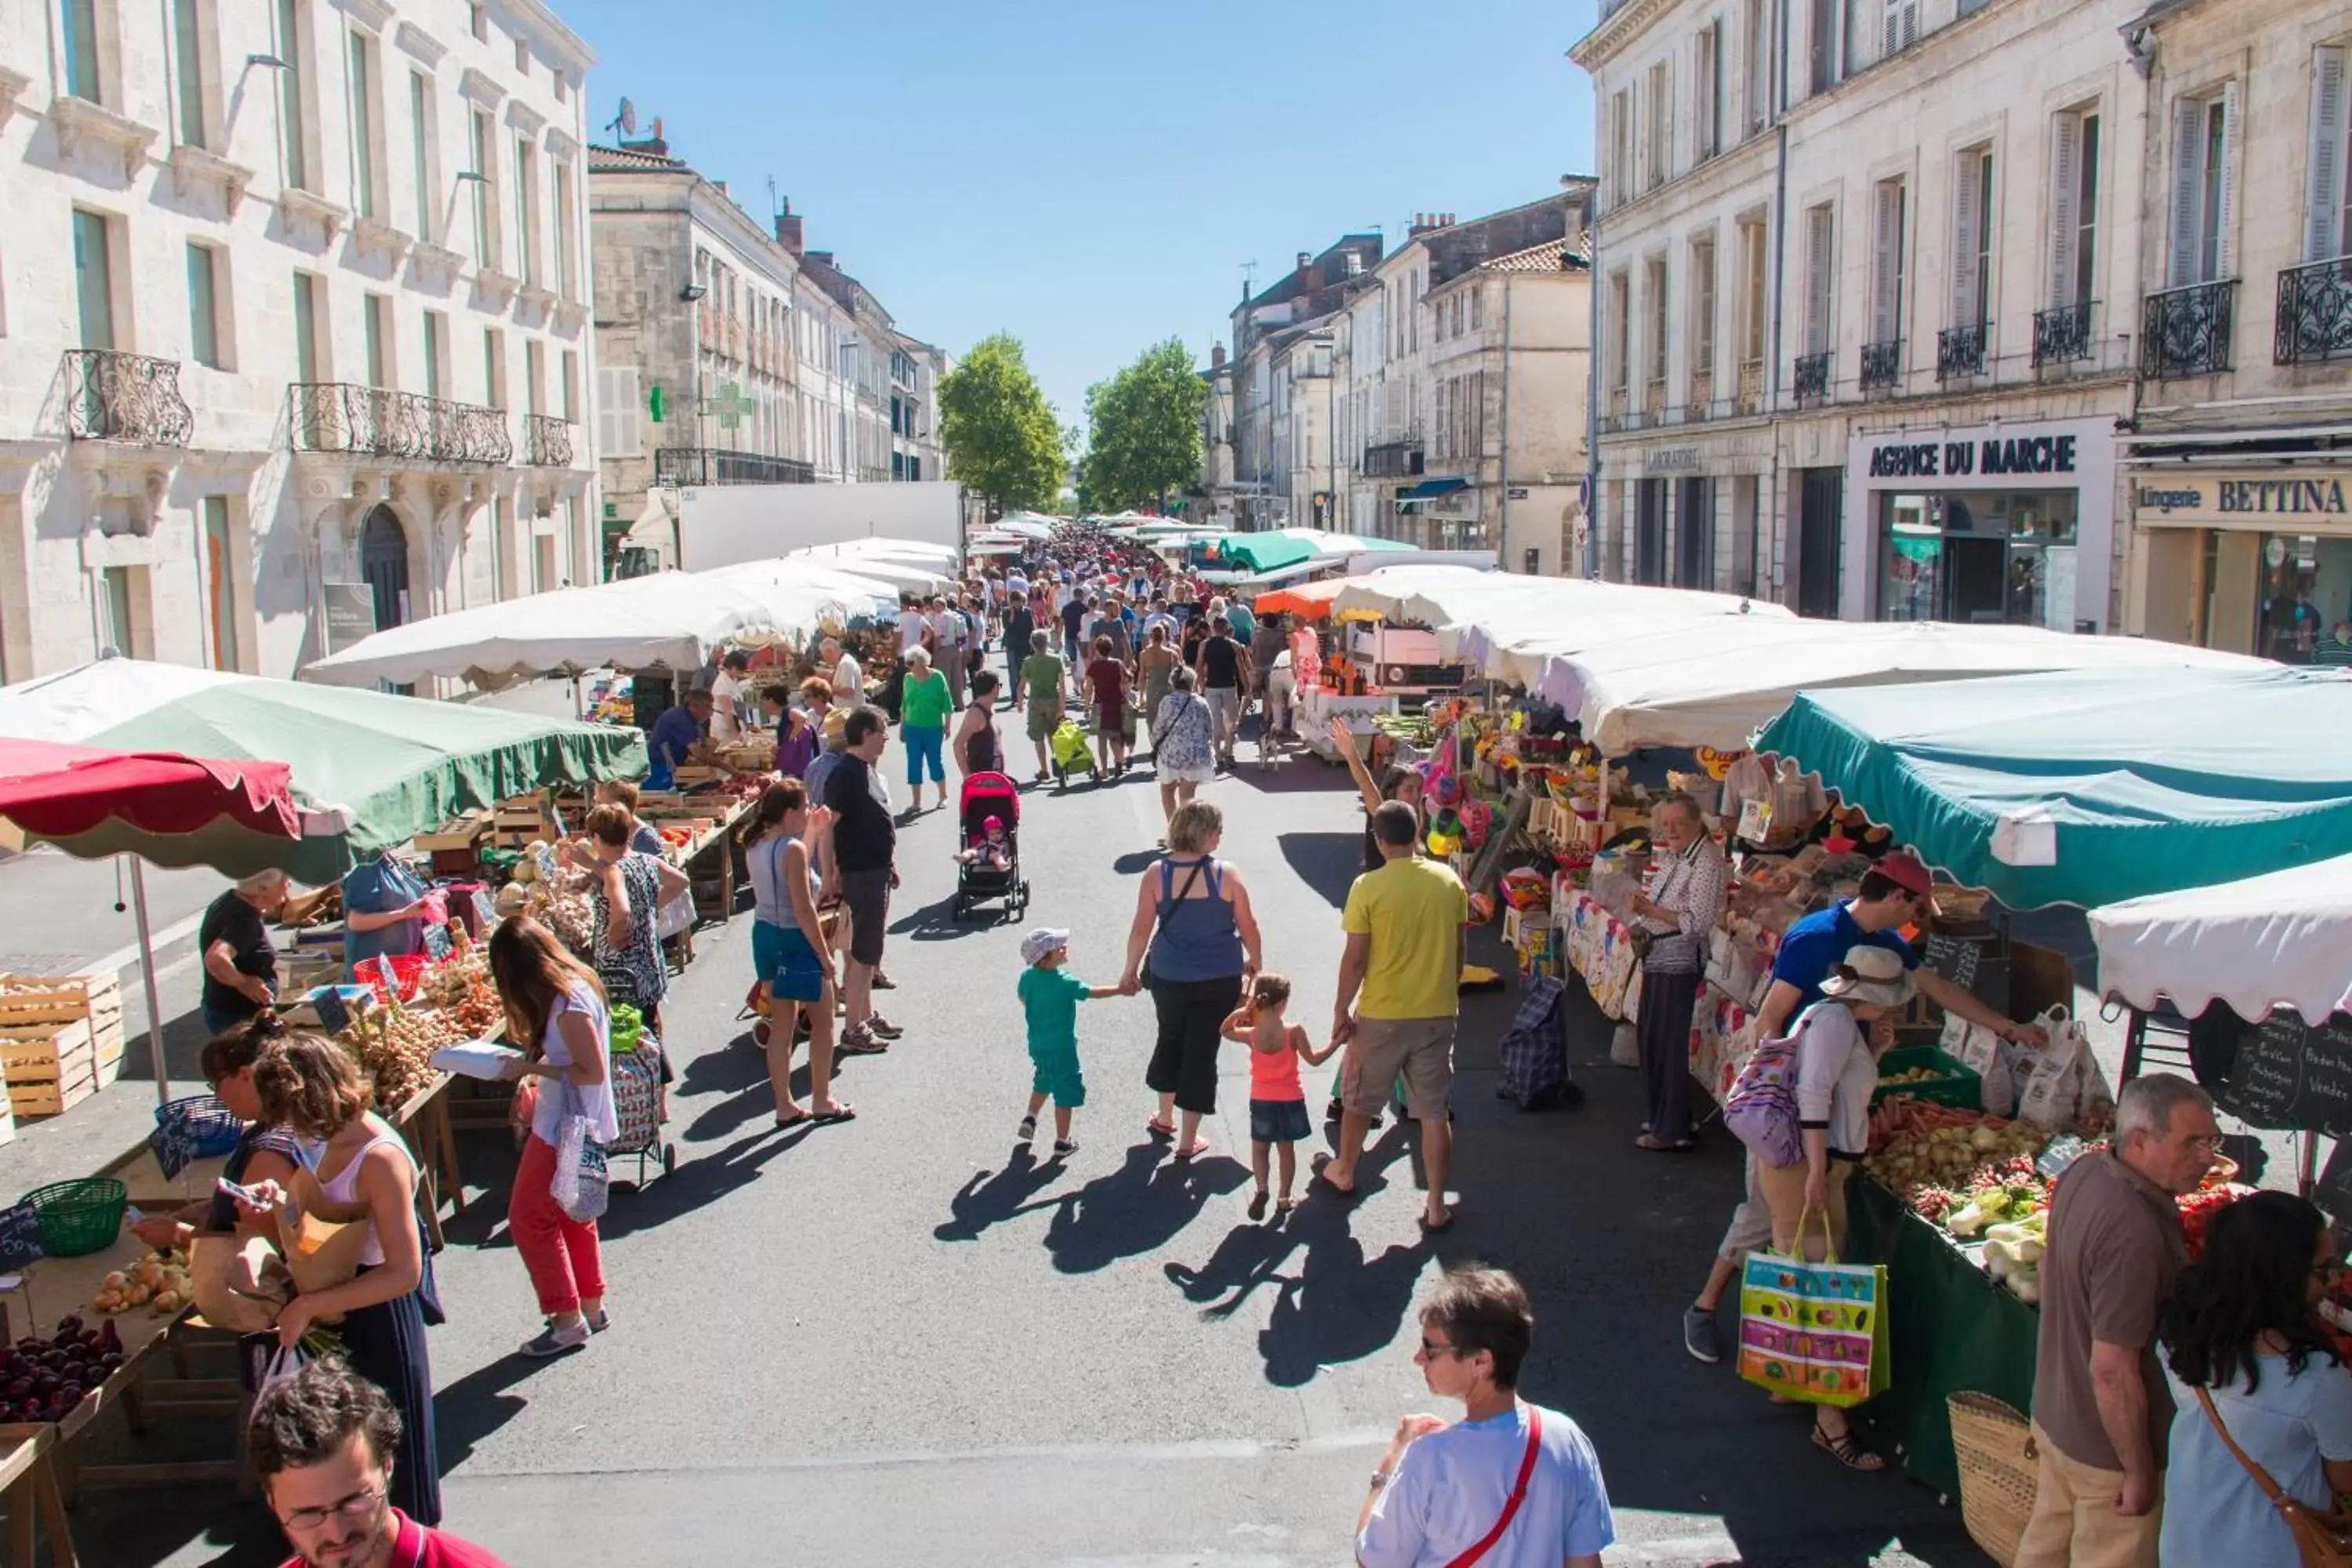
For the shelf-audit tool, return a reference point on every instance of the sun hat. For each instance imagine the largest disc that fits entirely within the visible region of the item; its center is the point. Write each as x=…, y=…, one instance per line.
x=1041, y=941
x=1874, y=976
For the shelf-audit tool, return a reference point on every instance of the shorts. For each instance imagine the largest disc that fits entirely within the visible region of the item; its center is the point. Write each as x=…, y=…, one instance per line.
x=775, y=948
x=1420, y=1051
x=1279, y=1122
x=867, y=895
x=1751, y=1223
x=1055, y=1073
x=1224, y=708
x=1045, y=718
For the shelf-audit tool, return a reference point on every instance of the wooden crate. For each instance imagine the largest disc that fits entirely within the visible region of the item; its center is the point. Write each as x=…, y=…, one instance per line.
x=47, y=1076
x=462, y=832
x=520, y=821
x=30, y=1002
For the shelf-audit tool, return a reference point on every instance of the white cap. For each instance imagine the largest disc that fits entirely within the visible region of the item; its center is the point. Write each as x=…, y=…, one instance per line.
x=1041, y=941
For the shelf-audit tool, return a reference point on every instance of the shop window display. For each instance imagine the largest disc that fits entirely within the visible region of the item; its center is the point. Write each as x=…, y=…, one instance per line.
x=2306, y=599
x=2002, y=556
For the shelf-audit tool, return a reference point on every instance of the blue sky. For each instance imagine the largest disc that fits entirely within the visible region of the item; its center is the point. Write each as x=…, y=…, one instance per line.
x=1090, y=175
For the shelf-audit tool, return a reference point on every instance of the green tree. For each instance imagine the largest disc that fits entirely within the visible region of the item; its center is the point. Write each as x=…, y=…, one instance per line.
x=1002, y=440
x=1143, y=430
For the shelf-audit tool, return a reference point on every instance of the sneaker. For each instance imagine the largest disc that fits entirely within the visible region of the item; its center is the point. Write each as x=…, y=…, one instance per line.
x=555, y=1342
x=1700, y=1336
x=1028, y=1128
x=1065, y=1147
x=858, y=1043
x=883, y=1026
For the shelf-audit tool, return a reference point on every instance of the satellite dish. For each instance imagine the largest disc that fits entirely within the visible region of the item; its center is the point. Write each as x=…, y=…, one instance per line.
x=628, y=117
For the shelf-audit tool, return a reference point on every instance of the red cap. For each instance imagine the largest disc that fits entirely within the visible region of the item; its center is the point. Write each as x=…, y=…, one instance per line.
x=1908, y=872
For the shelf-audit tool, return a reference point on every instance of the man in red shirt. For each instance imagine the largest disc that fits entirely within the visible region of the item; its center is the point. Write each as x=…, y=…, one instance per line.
x=323, y=1442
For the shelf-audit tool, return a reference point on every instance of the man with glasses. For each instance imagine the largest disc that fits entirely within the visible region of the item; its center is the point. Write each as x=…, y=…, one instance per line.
x=322, y=1443
x=2101, y=1410
x=1895, y=892
x=1510, y=1485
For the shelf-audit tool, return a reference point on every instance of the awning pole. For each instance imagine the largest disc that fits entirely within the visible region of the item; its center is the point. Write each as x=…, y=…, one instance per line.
x=147, y=977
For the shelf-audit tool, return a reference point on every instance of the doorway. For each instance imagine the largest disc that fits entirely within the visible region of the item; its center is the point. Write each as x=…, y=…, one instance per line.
x=1650, y=532
x=1821, y=514
x=383, y=565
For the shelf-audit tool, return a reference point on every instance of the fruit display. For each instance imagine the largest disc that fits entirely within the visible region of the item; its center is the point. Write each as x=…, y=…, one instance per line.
x=158, y=1281
x=44, y=1379
x=2197, y=1209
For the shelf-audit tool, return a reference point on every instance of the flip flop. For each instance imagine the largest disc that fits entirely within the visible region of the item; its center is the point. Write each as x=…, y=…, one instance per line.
x=1161, y=1130
x=784, y=1121
x=1657, y=1145
x=1441, y=1226
x=1345, y=1195
x=838, y=1113
x=1199, y=1146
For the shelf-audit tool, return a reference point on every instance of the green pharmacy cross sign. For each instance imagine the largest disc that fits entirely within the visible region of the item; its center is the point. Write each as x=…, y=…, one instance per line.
x=730, y=406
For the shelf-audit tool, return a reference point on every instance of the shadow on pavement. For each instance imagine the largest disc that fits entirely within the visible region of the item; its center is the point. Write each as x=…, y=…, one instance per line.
x=1327, y=862
x=992, y=1198
x=699, y=1182
x=474, y=1406
x=1136, y=1209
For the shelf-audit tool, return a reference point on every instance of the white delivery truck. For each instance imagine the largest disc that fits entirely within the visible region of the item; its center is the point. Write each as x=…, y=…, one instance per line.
x=724, y=525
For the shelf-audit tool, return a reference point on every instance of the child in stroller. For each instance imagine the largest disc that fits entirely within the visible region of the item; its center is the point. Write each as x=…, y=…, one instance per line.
x=989, y=866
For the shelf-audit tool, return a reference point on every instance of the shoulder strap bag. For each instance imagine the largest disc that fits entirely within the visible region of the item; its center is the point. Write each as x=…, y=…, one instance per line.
x=2322, y=1540
x=1518, y=1494
x=1167, y=907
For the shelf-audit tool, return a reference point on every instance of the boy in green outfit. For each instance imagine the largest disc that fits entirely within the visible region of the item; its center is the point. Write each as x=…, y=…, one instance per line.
x=1050, y=995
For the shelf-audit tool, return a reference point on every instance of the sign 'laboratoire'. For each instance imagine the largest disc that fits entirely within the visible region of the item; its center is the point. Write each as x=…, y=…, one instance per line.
x=1994, y=455
x=2315, y=500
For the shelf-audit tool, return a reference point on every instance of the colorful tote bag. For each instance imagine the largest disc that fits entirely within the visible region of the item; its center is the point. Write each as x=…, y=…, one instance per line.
x=1814, y=1332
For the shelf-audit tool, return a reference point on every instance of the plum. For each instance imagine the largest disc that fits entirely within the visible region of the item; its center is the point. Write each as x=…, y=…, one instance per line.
x=71, y=1393
x=107, y=1338
x=54, y=1360
x=111, y=1362
x=71, y=1323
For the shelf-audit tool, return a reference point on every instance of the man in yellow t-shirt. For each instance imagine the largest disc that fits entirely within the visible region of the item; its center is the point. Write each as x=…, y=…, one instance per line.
x=1399, y=995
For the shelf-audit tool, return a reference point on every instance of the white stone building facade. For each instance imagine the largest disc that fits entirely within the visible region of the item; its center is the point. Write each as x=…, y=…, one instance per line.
x=293, y=323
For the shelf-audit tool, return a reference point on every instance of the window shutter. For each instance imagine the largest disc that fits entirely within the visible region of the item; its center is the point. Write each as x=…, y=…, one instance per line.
x=1891, y=29
x=2324, y=200
x=2065, y=184
x=2188, y=137
x=1817, y=281
x=1910, y=23
x=2226, y=220
x=1886, y=258
x=618, y=427
x=1968, y=184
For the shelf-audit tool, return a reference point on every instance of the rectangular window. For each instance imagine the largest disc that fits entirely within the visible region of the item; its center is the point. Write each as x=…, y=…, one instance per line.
x=1621, y=149
x=2073, y=207
x=220, y=581
x=1756, y=55
x=363, y=122
x=290, y=110
x=308, y=364
x=94, y=279
x=1655, y=282
x=523, y=56
x=1621, y=330
x=526, y=210
x=1755, y=263
x=477, y=21
x=1659, y=145
x=493, y=367
x=566, y=283
x=116, y=599
x=204, y=308
x=1822, y=46
x=375, y=321
x=1477, y=306
x=1899, y=29
x=2327, y=205
x=486, y=247
x=436, y=341
x=79, y=23
x=1973, y=217
x=420, y=124
x=1703, y=309
x=1887, y=222
x=188, y=66
x=2204, y=148
x=571, y=387
x=534, y=375
x=1710, y=89
x=1820, y=248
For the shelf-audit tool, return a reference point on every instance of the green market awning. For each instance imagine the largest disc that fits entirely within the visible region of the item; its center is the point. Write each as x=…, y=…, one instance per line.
x=370, y=770
x=1430, y=488
x=2085, y=787
x=1272, y=549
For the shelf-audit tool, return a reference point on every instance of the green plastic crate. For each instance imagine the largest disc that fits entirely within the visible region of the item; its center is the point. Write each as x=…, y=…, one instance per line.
x=1955, y=1085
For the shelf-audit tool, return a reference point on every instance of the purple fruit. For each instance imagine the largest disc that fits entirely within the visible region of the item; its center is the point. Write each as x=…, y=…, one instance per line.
x=111, y=1361
x=19, y=1389
x=70, y=1394
x=54, y=1360
x=28, y=1345
x=45, y=1385
x=108, y=1339
x=71, y=1323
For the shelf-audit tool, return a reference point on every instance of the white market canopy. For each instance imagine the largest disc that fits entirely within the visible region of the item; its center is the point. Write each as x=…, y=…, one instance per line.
x=1026, y=525
x=1715, y=684
x=1491, y=609
x=922, y=552
x=899, y=573
x=2280, y=939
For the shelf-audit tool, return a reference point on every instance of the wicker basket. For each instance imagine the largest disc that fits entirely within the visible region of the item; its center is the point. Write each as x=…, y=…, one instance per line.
x=1995, y=1448
x=79, y=1217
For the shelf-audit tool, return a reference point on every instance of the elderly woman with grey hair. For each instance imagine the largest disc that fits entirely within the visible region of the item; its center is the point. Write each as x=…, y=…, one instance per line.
x=1672, y=915
x=240, y=964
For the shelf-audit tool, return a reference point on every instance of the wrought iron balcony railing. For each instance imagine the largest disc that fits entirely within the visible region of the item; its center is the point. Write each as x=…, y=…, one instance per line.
x=1812, y=376
x=2185, y=332
x=2062, y=333
x=1882, y=364
x=547, y=442
x=1394, y=459
x=1752, y=386
x=2314, y=312
x=696, y=465
x=1961, y=351
x=372, y=421
x=113, y=396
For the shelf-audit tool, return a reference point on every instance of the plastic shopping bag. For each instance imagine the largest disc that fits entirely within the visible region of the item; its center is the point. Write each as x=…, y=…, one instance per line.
x=674, y=917
x=1815, y=1332
x=284, y=1363
x=2051, y=1093
x=583, y=1184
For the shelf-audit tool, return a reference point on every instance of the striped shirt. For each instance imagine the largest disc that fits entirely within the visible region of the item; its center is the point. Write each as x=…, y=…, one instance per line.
x=1691, y=885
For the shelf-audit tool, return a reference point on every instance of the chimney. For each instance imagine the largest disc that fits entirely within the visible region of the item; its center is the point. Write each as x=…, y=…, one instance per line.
x=821, y=258
x=788, y=227
x=722, y=188
x=1216, y=356
x=1305, y=260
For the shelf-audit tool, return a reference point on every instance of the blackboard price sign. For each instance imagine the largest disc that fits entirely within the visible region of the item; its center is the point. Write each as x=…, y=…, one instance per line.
x=486, y=914
x=174, y=1142
x=437, y=945
x=20, y=1236
x=334, y=1013
x=1972, y=965
x=2294, y=1075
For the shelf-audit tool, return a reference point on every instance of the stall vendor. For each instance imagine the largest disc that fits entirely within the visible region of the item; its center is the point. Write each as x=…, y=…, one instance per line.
x=384, y=912
x=240, y=964
x=727, y=697
x=674, y=735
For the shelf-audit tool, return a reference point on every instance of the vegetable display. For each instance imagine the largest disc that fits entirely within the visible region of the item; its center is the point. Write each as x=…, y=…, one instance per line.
x=158, y=1281
x=394, y=1046
x=45, y=1379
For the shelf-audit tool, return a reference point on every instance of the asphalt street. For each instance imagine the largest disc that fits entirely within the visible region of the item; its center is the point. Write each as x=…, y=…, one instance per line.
x=905, y=1340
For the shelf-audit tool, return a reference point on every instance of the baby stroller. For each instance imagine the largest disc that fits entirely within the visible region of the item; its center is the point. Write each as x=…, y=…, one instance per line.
x=1072, y=748
x=987, y=796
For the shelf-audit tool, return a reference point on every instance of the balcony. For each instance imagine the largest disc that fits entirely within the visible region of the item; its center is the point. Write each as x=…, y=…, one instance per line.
x=547, y=443
x=1813, y=377
x=125, y=398
x=1653, y=401
x=696, y=465
x=2185, y=332
x=1752, y=386
x=2314, y=314
x=1399, y=459
x=1961, y=351
x=2061, y=334
x=1702, y=395
x=1881, y=365
x=371, y=421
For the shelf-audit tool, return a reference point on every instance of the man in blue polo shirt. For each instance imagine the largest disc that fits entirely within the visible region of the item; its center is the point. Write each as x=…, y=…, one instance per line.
x=1895, y=892
x=673, y=734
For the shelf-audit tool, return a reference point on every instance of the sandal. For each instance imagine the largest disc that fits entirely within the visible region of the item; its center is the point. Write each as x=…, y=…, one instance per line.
x=1198, y=1146
x=1160, y=1129
x=1657, y=1145
x=842, y=1111
x=1847, y=1450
